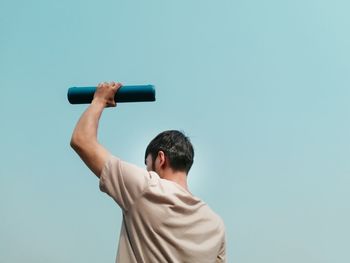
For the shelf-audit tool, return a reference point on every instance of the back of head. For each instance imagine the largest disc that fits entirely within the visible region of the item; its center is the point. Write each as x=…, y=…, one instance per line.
x=176, y=147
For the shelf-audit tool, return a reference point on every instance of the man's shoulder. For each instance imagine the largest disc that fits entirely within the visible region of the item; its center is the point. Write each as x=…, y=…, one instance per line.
x=213, y=216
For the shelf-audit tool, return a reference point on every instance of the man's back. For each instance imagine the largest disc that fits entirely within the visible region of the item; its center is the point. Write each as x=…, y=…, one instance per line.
x=162, y=222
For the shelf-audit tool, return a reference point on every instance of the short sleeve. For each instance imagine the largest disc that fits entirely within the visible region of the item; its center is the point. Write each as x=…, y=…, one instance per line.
x=122, y=181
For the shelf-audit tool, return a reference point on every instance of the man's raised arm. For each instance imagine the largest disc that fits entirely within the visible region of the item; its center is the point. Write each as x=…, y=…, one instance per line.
x=84, y=138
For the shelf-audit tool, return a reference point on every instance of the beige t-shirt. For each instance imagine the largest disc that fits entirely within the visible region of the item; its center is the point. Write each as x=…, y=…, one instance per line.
x=162, y=222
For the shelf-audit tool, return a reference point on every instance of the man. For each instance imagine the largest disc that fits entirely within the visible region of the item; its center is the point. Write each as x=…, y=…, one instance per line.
x=162, y=220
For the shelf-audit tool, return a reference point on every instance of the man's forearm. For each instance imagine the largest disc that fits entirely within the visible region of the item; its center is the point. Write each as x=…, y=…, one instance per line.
x=84, y=137
x=86, y=129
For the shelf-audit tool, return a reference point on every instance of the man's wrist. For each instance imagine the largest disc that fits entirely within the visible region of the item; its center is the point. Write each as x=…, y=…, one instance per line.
x=99, y=102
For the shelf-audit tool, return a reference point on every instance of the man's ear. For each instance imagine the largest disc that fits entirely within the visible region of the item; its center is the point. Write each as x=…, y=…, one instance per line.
x=162, y=159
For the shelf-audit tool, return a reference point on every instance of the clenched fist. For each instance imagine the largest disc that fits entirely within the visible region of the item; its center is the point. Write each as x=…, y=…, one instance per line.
x=105, y=93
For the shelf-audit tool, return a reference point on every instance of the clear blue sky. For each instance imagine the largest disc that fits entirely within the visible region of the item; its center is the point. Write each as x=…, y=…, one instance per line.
x=261, y=88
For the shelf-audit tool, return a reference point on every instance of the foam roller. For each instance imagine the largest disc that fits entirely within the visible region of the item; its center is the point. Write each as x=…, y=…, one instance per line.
x=135, y=93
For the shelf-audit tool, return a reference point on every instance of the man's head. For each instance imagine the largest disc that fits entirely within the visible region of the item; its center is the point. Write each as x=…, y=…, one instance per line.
x=175, y=147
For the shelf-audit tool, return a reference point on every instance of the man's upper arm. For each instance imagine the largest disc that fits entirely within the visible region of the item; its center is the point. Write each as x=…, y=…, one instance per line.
x=93, y=154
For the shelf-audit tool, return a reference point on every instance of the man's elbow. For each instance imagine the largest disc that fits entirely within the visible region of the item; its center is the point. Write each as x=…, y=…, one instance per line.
x=75, y=143
x=82, y=144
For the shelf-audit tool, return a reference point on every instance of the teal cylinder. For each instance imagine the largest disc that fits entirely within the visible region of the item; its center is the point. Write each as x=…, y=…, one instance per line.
x=131, y=93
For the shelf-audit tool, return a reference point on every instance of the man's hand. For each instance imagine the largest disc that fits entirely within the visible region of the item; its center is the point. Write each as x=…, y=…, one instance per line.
x=105, y=93
x=84, y=138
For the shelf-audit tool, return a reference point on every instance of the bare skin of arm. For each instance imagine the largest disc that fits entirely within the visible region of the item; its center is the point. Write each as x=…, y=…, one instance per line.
x=84, y=138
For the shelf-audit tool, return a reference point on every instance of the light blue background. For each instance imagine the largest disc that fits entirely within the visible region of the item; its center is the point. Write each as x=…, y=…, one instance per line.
x=261, y=88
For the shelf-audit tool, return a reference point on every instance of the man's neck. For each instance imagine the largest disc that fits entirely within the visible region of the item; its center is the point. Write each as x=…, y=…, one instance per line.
x=176, y=177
